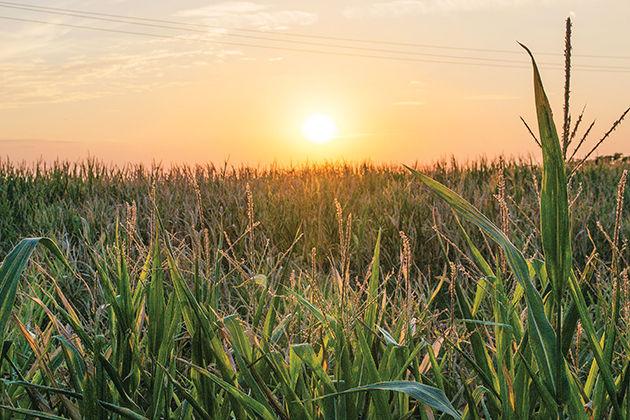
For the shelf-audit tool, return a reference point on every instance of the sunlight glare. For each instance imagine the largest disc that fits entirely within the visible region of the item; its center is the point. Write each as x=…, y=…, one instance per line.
x=319, y=128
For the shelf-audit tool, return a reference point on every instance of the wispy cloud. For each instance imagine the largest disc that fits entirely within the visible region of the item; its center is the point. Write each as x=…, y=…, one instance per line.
x=239, y=14
x=53, y=64
x=23, y=40
x=400, y=8
x=83, y=77
x=40, y=63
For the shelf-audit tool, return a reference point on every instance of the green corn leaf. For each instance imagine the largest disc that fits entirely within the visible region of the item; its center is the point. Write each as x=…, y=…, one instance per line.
x=437, y=369
x=482, y=263
x=477, y=343
x=199, y=320
x=609, y=346
x=413, y=355
x=554, y=202
x=244, y=357
x=60, y=391
x=306, y=353
x=591, y=336
x=122, y=411
x=547, y=398
x=572, y=316
x=372, y=375
x=428, y=395
x=371, y=312
x=171, y=322
x=239, y=397
x=11, y=270
x=296, y=408
x=471, y=409
x=489, y=323
x=187, y=396
x=74, y=363
x=116, y=380
x=391, y=341
x=574, y=398
x=32, y=413
x=316, y=312
x=541, y=331
x=155, y=302
x=554, y=214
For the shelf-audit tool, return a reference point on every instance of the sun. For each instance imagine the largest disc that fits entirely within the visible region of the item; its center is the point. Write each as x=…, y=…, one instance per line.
x=319, y=128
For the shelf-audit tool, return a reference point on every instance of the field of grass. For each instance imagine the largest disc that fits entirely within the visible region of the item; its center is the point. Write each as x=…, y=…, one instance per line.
x=332, y=292
x=78, y=204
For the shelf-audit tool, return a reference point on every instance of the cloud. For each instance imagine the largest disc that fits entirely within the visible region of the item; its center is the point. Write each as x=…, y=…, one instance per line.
x=400, y=8
x=29, y=82
x=225, y=8
x=22, y=40
x=51, y=64
x=239, y=14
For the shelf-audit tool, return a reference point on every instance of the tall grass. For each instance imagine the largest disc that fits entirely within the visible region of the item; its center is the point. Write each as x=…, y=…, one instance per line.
x=180, y=305
x=78, y=205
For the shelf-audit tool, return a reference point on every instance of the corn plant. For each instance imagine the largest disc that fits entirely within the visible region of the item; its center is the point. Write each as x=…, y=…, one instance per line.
x=200, y=315
x=527, y=374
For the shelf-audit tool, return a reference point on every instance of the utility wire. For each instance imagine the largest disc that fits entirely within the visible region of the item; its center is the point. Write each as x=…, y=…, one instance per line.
x=241, y=44
x=259, y=38
x=291, y=41
x=282, y=48
x=289, y=34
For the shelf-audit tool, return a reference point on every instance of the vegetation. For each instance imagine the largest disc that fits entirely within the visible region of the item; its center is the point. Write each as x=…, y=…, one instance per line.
x=78, y=204
x=218, y=293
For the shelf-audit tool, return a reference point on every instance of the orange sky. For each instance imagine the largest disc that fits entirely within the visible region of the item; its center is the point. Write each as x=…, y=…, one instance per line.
x=179, y=96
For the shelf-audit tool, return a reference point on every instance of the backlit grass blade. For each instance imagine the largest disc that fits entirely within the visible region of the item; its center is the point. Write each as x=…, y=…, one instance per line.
x=280, y=367
x=483, y=265
x=243, y=354
x=480, y=353
x=32, y=413
x=187, y=396
x=554, y=202
x=554, y=214
x=609, y=343
x=543, y=337
x=306, y=353
x=573, y=398
x=254, y=407
x=11, y=270
x=122, y=411
x=591, y=336
x=431, y=396
x=541, y=388
x=373, y=285
x=372, y=375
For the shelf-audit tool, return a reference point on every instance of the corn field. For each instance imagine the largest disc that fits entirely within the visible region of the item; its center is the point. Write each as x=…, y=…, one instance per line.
x=492, y=289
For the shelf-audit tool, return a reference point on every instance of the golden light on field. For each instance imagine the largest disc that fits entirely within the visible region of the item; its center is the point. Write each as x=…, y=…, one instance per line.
x=319, y=128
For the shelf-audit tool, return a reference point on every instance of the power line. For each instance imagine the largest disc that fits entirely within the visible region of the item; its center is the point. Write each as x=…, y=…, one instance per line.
x=289, y=34
x=259, y=38
x=250, y=30
x=241, y=44
x=308, y=43
x=282, y=48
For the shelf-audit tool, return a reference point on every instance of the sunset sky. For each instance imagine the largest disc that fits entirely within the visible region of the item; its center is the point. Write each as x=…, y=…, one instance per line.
x=238, y=79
